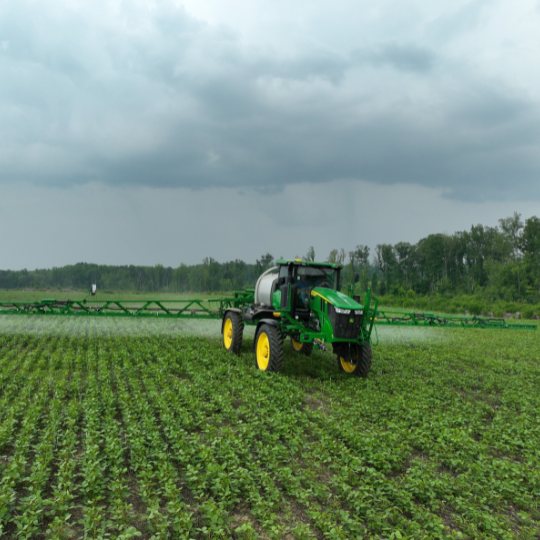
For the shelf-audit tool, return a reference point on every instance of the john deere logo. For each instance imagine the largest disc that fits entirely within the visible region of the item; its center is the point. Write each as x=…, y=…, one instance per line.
x=351, y=320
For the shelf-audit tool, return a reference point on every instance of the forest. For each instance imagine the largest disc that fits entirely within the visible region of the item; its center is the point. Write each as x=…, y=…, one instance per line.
x=479, y=267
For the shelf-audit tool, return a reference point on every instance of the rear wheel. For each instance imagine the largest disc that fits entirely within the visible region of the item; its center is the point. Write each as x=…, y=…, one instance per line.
x=268, y=349
x=357, y=361
x=233, y=331
x=303, y=348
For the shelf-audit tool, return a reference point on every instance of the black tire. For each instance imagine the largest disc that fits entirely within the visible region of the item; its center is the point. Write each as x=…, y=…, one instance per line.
x=268, y=348
x=233, y=332
x=302, y=348
x=360, y=363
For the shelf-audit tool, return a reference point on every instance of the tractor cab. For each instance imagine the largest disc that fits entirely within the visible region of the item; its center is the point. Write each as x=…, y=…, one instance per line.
x=309, y=277
x=297, y=283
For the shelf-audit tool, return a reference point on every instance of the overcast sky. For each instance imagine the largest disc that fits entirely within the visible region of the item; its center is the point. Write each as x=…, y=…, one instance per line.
x=164, y=132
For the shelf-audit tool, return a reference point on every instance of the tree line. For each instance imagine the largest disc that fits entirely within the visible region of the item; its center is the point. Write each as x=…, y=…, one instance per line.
x=497, y=263
x=209, y=276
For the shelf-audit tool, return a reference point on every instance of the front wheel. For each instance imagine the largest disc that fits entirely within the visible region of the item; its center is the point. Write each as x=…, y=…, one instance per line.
x=356, y=361
x=303, y=348
x=233, y=331
x=268, y=349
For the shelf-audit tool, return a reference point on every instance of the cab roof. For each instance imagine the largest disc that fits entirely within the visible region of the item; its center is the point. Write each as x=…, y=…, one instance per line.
x=300, y=262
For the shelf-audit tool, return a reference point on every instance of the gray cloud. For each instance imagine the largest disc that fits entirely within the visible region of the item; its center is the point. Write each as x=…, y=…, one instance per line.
x=158, y=98
x=402, y=57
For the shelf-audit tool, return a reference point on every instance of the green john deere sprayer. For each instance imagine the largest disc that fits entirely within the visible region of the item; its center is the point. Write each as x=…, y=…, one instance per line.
x=296, y=299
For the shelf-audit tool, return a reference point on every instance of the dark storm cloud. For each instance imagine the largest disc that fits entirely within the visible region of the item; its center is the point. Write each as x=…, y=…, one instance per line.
x=161, y=99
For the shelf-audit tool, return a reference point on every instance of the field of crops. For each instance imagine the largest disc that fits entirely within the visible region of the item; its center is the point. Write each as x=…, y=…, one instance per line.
x=119, y=429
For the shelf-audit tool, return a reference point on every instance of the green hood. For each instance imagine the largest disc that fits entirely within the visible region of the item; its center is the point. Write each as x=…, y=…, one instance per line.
x=336, y=298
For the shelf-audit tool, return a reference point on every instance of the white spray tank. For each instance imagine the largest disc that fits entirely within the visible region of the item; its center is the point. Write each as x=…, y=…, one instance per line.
x=263, y=287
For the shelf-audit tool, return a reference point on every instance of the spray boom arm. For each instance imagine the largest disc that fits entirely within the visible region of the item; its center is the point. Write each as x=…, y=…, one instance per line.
x=214, y=308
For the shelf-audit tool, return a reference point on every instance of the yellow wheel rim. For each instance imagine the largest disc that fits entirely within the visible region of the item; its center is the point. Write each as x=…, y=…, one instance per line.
x=348, y=367
x=263, y=351
x=227, y=333
x=297, y=345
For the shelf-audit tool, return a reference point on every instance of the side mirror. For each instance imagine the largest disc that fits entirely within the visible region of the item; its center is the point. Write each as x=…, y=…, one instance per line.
x=356, y=277
x=93, y=289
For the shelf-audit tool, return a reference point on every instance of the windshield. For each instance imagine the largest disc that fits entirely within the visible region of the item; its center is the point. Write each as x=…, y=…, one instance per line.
x=316, y=276
x=308, y=277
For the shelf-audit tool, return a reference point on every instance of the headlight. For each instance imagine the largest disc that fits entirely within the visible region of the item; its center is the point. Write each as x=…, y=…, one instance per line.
x=358, y=312
x=342, y=311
